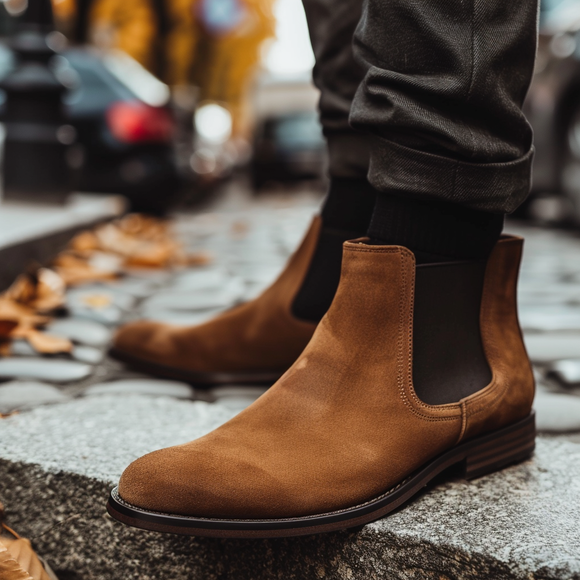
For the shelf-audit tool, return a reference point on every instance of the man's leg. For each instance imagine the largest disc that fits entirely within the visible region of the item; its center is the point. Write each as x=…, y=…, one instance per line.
x=451, y=151
x=414, y=368
x=259, y=340
x=348, y=207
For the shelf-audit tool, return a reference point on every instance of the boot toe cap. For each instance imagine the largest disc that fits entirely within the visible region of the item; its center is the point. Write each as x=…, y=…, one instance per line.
x=198, y=483
x=159, y=482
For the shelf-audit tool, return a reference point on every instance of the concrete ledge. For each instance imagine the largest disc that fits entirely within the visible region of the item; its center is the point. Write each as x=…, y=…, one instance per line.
x=58, y=463
x=36, y=232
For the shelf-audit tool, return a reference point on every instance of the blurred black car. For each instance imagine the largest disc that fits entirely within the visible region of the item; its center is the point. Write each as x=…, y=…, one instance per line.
x=288, y=145
x=288, y=148
x=123, y=144
x=553, y=108
x=120, y=132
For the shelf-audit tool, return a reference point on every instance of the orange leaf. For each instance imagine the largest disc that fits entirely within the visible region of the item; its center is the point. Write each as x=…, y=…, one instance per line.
x=77, y=270
x=18, y=561
x=40, y=290
x=97, y=300
x=85, y=241
x=199, y=259
x=47, y=343
x=6, y=327
x=10, y=569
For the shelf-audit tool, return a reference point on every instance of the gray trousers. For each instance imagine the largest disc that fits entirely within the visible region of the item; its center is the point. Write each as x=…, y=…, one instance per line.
x=424, y=97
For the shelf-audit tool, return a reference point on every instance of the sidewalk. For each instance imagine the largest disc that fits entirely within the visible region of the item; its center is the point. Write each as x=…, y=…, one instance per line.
x=84, y=417
x=33, y=232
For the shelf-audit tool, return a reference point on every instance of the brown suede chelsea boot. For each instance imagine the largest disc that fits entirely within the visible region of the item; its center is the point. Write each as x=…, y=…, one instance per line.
x=255, y=342
x=372, y=410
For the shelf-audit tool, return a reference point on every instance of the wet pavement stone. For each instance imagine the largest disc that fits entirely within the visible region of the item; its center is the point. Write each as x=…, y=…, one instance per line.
x=87, y=354
x=178, y=318
x=149, y=387
x=22, y=395
x=548, y=347
x=567, y=372
x=557, y=412
x=190, y=300
x=103, y=415
x=81, y=331
x=45, y=369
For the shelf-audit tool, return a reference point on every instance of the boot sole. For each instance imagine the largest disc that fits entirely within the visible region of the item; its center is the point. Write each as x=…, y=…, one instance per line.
x=198, y=379
x=474, y=458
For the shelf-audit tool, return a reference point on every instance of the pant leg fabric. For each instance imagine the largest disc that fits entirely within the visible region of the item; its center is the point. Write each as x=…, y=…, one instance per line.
x=442, y=94
x=337, y=75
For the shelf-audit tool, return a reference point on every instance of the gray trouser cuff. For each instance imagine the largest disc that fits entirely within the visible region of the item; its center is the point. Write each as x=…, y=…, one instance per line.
x=349, y=155
x=490, y=187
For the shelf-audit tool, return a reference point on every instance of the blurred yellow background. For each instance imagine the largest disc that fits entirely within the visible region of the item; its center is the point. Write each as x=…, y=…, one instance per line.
x=215, y=46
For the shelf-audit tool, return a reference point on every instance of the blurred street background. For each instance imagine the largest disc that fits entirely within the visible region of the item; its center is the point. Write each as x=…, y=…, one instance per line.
x=165, y=101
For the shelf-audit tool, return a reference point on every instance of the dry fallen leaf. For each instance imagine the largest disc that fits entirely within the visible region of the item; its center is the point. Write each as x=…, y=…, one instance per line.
x=10, y=569
x=42, y=290
x=5, y=347
x=6, y=327
x=85, y=241
x=141, y=241
x=97, y=301
x=199, y=259
x=24, y=316
x=18, y=321
x=18, y=561
x=47, y=343
x=21, y=552
x=134, y=241
x=75, y=269
x=6, y=415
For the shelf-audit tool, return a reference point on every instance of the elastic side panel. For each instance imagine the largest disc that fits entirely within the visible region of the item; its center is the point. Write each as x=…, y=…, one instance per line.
x=448, y=358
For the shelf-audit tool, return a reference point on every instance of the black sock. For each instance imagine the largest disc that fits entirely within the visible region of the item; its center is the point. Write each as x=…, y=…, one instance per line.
x=349, y=205
x=434, y=231
x=346, y=214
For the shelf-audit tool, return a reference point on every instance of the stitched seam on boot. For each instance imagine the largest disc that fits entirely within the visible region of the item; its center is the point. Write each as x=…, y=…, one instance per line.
x=380, y=250
x=463, y=422
x=281, y=519
x=400, y=378
x=475, y=403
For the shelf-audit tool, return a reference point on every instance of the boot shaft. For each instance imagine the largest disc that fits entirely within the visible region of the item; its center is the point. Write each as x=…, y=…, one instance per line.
x=375, y=307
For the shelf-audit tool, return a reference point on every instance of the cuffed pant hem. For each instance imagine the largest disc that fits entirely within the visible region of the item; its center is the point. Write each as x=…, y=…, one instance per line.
x=349, y=155
x=490, y=187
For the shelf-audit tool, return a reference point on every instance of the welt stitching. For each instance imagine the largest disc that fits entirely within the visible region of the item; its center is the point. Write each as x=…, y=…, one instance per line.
x=376, y=250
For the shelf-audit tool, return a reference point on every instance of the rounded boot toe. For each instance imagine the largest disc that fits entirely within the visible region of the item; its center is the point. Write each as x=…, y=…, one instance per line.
x=161, y=482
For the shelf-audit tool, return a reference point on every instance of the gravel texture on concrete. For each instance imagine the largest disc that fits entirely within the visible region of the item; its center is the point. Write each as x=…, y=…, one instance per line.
x=59, y=462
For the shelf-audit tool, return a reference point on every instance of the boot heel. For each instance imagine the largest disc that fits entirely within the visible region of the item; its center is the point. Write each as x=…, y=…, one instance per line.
x=497, y=450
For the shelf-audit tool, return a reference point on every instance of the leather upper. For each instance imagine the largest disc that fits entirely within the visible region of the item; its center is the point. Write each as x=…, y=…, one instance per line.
x=344, y=425
x=260, y=335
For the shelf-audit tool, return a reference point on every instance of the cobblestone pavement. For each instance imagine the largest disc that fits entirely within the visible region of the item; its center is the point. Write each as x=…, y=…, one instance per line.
x=250, y=241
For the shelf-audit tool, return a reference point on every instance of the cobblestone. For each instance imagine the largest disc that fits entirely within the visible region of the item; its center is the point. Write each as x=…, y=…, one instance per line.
x=149, y=387
x=23, y=395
